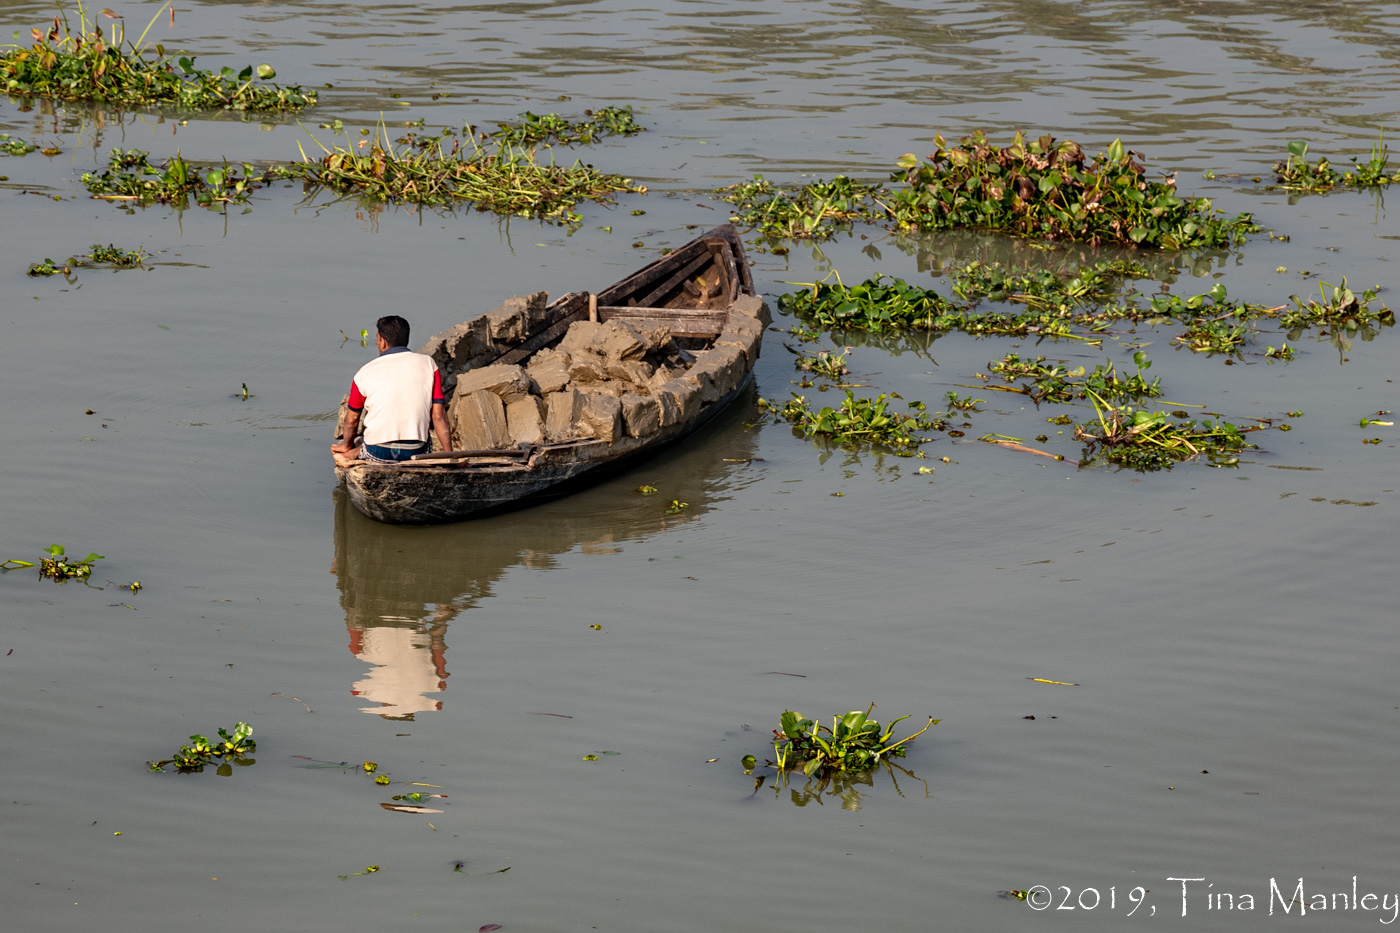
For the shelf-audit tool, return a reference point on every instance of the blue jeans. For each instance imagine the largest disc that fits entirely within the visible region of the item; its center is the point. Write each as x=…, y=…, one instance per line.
x=394, y=451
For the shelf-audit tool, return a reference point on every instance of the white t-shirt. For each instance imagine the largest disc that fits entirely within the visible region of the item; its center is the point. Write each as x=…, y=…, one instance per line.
x=396, y=392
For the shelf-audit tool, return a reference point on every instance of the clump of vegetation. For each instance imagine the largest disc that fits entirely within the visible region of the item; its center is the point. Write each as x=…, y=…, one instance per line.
x=130, y=176
x=47, y=267
x=1052, y=382
x=879, y=306
x=428, y=170
x=1050, y=190
x=234, y=749
x=1339, y=307
x=1297, y=174
x=874, y=305
x=13, y=146
x=1039, y=189
x=853, y=742
x=550, y=128
x=115, y=256
x=86, y=64
x=1149, y=440
x=813, y=211
x=1043, y=289
x=1214, y=336
x=109, y=255
x=57, y=566
x=857, y=422
x=825, y=364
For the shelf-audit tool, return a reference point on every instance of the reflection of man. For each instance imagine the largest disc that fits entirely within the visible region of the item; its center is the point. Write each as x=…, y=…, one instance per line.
x=400, y=394
x=409, y=664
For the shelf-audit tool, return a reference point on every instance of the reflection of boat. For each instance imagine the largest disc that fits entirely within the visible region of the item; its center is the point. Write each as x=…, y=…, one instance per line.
x=401, y=587
x=701, y=295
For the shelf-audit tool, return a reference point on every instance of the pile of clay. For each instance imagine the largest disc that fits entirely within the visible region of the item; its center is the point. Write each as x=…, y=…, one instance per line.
x=599, y=381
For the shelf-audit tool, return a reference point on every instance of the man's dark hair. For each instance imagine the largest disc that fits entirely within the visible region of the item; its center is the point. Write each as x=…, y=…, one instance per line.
x=393, y=329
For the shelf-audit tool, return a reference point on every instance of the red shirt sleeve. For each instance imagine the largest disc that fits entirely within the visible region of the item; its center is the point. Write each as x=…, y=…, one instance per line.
x=357, y=398
x=437, y=387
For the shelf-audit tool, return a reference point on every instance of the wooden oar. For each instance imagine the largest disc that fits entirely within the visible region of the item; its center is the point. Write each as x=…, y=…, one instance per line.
x=458, y=454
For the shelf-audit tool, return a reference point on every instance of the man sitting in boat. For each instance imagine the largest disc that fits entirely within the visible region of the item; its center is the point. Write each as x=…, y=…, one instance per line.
x=398, y=394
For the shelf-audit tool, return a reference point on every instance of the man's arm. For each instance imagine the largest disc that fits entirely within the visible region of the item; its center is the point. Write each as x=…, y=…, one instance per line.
x=444, y=434
x=352, y=427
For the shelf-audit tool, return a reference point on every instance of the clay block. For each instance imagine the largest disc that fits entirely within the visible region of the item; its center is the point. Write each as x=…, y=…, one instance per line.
x=586, y=367
x=743, y=332
x=641, y=415
x=507, y=326
x=478, y=421
x=606, y=387
x=579, y=337
x=602, y=415
x=663, y=375
x=507, y=382
x=618, y=340
x=668, y=407
x=550, y=370
x=718, y=370
x=685, y=395
x=532, y=309
x=702, y=380
x=636, y=372
x=657, y=337
x=562, y=412
x=467, y=342
x=341, y=416
x=525, y=421
x=753, y=306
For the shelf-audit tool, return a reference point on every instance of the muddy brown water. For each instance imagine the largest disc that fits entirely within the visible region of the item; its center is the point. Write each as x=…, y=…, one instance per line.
x=1231, y=632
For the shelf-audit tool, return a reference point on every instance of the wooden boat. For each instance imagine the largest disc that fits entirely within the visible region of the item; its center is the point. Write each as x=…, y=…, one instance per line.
x=703, y=296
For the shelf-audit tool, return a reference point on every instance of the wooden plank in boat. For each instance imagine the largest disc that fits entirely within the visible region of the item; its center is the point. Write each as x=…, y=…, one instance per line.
x=682, y=322
x=685, y=272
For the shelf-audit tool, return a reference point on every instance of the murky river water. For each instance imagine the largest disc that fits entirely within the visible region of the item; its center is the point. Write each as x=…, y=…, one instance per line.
x=1232, y=632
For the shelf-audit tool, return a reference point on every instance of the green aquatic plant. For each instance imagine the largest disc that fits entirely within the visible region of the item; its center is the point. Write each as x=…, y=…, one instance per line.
x=1045, y=289
x=812, y=211
x=1047, y=381
x=1038, y=189
x=87, y=64
x=1214, y=336
x=824, y=364
x=109, y=255
x=1296, y=173
x=58, y=566
x=130, y=176
x=12, y=146
x=1149, y=440
x=1339, y=307
x=1051, y=190
x=550, y=128
x=967, y=403
x=232, y=749
x=112, y=255
x=857, y=422
x=853, y=742
x=429, y=170
x=47, y=267
x=874, y=305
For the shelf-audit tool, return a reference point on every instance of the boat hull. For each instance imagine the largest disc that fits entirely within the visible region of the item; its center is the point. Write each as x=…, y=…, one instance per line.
x=702, y=293
x=431, y=495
